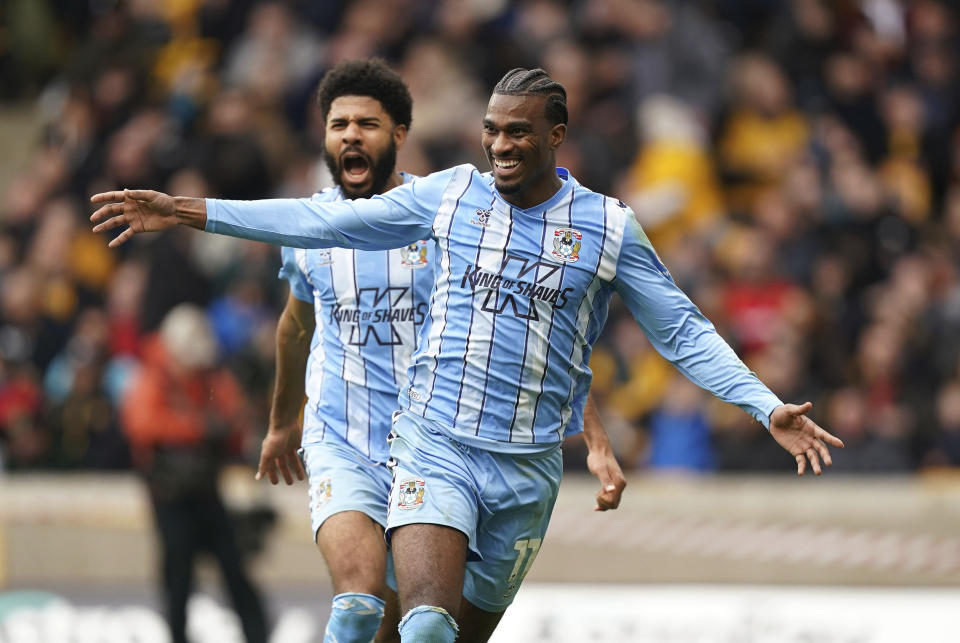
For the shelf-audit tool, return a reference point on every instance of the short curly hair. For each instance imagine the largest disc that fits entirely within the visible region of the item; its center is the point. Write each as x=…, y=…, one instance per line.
x=367, y=77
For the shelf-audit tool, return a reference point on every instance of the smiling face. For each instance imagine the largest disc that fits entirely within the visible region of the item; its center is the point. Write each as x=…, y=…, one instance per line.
x=520, y=144
x=361, y=146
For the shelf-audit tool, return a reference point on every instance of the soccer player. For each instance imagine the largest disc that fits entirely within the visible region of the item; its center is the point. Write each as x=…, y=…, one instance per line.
x=527, y=260
x=344, y=340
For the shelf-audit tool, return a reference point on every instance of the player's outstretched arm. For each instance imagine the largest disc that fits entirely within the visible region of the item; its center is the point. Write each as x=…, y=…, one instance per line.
x=145, y=211
x=680, y=332
x=392, y=220
x=601, y=461
x=798, y=434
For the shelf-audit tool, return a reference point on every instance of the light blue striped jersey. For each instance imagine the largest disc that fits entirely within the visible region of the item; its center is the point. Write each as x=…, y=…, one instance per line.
x=520, y=298
x=369, y=306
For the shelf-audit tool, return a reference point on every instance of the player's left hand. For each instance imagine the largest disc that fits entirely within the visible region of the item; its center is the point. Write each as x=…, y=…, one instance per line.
x=279, y=457
x=603, y=464
x=801, y=436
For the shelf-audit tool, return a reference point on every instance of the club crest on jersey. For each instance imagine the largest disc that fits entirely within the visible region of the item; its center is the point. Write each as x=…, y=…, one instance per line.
x=482, y=218
x=322, y=492
x=566, y=244
x=410, y=493
x=324, y=257
x=414, y=255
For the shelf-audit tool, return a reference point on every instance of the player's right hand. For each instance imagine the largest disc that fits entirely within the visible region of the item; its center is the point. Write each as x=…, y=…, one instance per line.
x=603, y=464
x=279, y=457
x=139, y=210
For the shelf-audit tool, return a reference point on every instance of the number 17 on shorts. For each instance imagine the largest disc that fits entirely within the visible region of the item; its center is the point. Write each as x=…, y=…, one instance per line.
x=527, y=550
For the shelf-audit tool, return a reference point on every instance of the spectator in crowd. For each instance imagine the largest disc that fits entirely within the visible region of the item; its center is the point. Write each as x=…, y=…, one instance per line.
x=825, y=129
x=182, y=414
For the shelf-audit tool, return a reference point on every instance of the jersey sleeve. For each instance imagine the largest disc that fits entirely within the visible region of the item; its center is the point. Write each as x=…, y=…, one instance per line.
x=396, y=218
x=575, y=425
x=680, y=332
x=290, y=270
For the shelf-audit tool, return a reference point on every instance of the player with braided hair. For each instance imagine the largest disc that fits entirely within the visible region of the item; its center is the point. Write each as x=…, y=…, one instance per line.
x=527, y=262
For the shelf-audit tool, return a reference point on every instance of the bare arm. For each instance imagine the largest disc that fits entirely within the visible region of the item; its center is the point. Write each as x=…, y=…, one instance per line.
x=601, y=460
x=279, y=449
x=294, y=332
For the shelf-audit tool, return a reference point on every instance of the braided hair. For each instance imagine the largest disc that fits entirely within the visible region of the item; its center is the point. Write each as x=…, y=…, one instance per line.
x=536, y=82
x=367, y=77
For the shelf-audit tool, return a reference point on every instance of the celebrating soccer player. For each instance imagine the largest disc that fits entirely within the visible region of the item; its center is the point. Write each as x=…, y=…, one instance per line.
x=526, y=262
x=344, y=340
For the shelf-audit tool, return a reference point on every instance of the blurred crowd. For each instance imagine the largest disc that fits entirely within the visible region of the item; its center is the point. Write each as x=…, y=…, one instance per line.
x=795, y=162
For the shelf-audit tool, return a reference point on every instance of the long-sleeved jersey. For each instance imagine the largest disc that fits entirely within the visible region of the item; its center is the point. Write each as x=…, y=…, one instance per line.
x=369, y=306
x=520, y=296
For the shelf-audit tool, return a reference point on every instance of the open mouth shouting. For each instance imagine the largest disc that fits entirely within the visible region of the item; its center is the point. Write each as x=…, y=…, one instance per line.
x=356, y=168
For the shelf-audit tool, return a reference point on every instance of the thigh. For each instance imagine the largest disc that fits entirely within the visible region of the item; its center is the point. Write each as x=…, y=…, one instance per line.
x=432, y=482
x=348, y=513
x=355, y=553
x=341, y=480
x=432, y=518
x=429, y=562
x=518, y=499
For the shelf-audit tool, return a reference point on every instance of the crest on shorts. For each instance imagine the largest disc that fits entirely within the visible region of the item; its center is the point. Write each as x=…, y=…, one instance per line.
x=415, y=255
x=322, y=492
x=566, y=244
x=410, y=493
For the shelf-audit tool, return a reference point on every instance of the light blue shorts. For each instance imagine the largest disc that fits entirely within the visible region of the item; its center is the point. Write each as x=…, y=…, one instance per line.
x=343, y=479
x=502, y=502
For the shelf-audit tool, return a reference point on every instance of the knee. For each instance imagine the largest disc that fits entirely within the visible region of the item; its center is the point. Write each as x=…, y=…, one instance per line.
x=428, y=624
x=361, y=572
x=354, y=617
x=358, y=579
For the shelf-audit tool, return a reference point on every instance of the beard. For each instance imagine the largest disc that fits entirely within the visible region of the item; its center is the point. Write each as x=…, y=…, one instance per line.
x=381, y=169
x=515, y=186
x=507, y=188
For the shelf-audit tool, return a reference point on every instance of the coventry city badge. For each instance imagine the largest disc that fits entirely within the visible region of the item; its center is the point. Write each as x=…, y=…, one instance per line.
x=410, y=493
x=323, y=257
x=566, y=244
x=414, y=256
x=322, y=492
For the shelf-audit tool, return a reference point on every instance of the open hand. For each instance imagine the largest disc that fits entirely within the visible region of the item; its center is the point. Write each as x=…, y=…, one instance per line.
x=801, y=436
x=278, y=454
x=139, y=210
